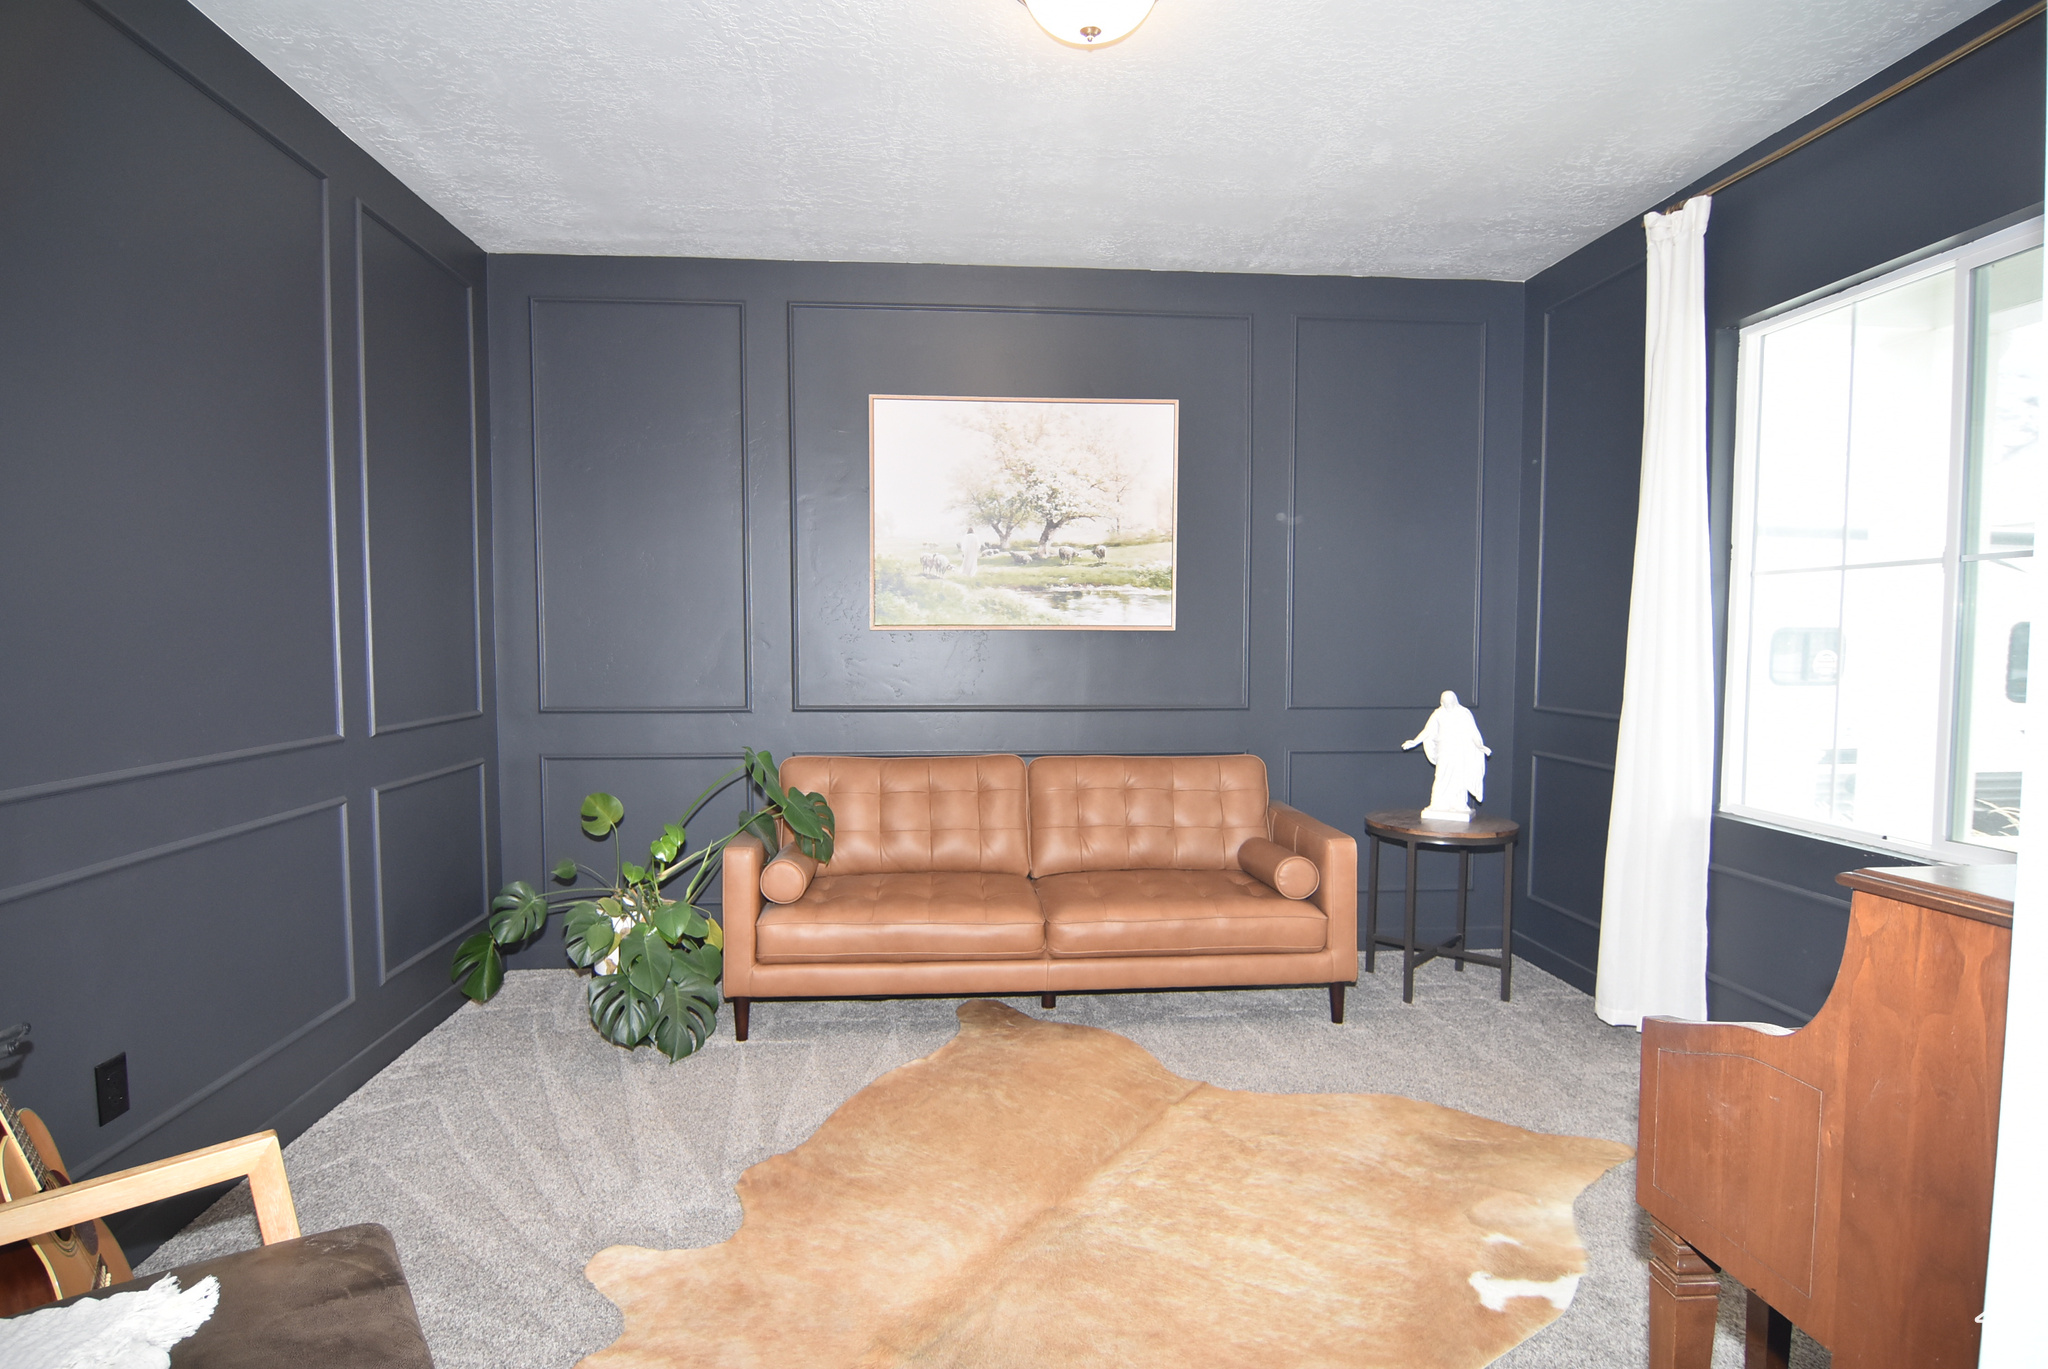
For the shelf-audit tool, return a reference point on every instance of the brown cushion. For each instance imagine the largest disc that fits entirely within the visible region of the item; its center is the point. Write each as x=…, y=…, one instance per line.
x=1173, y=912
x=949, y=915
x=1144, y=812
x=1279, y=869
x=784, y=879
x=920, y=813
x=337, y=1300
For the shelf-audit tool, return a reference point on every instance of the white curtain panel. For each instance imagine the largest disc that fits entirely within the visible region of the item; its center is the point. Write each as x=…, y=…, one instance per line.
x=1653, y=915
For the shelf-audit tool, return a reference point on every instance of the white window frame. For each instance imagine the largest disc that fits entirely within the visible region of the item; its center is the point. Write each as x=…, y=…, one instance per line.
x=1965, y=259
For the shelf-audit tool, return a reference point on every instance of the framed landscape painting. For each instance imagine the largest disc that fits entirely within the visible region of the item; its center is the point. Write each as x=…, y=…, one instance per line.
x=1022, y=513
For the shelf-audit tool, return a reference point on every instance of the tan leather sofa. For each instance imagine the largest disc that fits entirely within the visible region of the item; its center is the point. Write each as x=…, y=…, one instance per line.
x=980, y=875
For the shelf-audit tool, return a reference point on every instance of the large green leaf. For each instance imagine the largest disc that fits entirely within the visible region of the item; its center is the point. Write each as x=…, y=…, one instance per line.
x=621, y=1013
x=684, y=1019
x=809, y=818
x=587, y=933
x=706, y=962
x=517, y=913
x=761, y=825
x=800, y=817
x=672, y=921
x=680, y=1023
x=601, y=813
x=650, y=968
x=478, y=968
x=632, y=942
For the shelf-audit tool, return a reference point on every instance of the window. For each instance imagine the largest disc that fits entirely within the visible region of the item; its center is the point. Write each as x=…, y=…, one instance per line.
x=1887, y=457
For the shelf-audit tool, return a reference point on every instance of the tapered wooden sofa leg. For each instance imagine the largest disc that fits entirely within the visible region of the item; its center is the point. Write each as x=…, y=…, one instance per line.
x=739, y=1017
x=1337, y=1003
x=1048, y=1000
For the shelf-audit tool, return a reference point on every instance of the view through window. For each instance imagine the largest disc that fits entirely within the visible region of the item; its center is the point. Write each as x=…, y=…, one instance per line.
x=1887, y=458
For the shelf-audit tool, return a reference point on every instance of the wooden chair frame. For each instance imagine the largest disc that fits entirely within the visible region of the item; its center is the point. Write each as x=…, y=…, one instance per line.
x=258, y=1158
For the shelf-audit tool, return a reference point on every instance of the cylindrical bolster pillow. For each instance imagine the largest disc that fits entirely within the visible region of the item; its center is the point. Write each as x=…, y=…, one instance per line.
x=1290, y=875
x=784, y=879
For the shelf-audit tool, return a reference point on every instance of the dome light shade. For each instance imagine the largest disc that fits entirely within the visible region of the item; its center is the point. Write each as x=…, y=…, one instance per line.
x=1088, y=23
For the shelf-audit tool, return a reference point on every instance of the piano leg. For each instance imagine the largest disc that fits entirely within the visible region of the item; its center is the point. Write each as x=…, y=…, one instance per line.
x=1685, y=1293
x=1767, y=1342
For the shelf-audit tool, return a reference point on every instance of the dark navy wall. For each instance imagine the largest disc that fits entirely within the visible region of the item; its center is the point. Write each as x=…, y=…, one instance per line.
x=681, y=465
x=247, y=752
x=1959, y=151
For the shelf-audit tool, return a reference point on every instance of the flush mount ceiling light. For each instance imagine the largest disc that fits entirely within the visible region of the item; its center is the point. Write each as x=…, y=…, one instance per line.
x=1088, y=23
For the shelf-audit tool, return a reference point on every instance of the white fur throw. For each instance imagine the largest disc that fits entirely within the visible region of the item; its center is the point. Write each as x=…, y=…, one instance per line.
x=126, y=1331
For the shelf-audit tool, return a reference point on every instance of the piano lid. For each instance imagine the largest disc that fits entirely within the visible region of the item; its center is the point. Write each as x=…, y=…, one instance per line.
x=1983, y=892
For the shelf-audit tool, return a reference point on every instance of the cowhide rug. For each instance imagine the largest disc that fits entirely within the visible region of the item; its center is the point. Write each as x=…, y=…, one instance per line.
x=1040, y=1195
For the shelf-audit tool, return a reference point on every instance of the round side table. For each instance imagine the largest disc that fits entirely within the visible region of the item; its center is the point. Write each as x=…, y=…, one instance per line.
x=1407, y=827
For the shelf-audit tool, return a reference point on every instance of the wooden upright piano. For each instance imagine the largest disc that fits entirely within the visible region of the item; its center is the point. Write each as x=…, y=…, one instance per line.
x=1842, y=1172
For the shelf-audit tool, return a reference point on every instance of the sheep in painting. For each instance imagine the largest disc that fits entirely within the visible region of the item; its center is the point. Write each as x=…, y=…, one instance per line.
x=1101, y=552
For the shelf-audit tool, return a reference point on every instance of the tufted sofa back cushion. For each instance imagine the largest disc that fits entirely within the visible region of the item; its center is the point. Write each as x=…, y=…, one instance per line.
x=919, y=814
x=1144, y=812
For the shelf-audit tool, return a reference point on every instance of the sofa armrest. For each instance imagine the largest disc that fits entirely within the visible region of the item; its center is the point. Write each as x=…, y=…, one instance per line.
x=1336, y=856
x=744, y=857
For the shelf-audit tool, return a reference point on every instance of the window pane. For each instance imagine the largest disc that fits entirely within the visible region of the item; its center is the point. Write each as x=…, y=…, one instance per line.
x=1802, y=442
x=2005, y=411
x=1991, y=702
x=1891, y=697
x=1899, y=425
x=1795, y=655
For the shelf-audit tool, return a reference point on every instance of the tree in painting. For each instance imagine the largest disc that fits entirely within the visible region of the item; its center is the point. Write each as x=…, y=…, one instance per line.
x=958, y=484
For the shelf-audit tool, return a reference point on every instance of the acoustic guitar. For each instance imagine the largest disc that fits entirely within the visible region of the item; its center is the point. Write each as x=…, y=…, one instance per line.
x=59, y=1263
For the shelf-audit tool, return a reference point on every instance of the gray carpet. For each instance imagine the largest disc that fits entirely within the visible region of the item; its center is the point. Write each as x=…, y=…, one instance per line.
x=512, y=1143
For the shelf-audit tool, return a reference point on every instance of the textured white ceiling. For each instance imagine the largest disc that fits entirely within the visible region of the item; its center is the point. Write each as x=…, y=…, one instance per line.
x=1469, y=138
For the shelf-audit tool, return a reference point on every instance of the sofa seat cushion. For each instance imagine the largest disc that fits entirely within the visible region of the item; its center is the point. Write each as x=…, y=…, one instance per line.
x=949, y=915
x=1173, y=912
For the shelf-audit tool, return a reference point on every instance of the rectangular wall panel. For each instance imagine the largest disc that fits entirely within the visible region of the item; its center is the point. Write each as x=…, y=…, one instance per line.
x=655, y=789
x=419, y=482
x=432, y=861
x=217, y=950
x=842, y=355
x=639, y=463
x=1389, y=425
x=1773, y=944
x=164, y=462
x=1566, y=852
x=1591, y=467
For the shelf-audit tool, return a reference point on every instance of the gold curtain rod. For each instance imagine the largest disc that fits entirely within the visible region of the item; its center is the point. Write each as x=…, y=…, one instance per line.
x=2032, y=11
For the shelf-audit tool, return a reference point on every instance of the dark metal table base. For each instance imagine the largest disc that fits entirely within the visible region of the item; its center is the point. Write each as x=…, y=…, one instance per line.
x=1406, y=830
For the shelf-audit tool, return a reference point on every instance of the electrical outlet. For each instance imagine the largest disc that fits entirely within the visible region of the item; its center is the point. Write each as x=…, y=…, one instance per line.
x=110, y=1082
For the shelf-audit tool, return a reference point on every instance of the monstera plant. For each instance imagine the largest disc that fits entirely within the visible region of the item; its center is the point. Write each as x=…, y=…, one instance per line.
x=655, y=960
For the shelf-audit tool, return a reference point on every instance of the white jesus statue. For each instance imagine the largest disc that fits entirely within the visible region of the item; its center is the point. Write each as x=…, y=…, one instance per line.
x=1452, y=742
